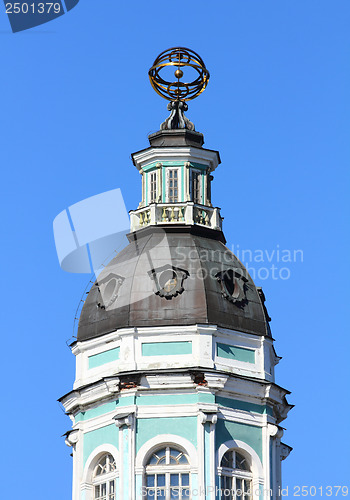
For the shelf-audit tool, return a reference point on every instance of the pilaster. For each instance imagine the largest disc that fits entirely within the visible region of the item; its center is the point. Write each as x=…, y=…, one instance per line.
x=126, y=424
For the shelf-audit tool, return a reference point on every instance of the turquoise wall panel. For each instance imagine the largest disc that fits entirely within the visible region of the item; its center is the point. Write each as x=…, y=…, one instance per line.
x=148, y=428
x=96, y=412
x=166, y=348
x=226, y=431
x=104, y=435
x=243, y=405
x=234, y=352
x=104, y=357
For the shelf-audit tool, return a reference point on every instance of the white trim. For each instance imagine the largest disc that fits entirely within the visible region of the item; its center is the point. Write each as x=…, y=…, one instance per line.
x=95, y=455
x=257, y=467
x=184, y=154
x=165, y=439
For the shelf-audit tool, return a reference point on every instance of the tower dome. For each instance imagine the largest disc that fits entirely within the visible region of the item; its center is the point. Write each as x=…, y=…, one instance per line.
x=173, y=276
x=175, y=393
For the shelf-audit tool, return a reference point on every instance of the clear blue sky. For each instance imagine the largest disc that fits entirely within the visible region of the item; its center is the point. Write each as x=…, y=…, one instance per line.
x=76, y=102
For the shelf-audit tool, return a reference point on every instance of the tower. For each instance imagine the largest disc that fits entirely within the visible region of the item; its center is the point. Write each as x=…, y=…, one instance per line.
x=175, y=393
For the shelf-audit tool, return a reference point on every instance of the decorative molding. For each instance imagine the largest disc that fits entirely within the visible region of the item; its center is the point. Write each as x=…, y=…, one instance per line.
x=206, y=416
x=207, y=157
x=168, y=280
x=233, y=286
x=126, y=418
x=272, y=430
x=72, y=437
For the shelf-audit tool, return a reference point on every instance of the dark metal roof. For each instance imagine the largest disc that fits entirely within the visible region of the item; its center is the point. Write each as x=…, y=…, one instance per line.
x=136, y=298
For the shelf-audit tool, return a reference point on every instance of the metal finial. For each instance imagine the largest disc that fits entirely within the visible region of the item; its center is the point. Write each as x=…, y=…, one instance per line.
x=184, y=61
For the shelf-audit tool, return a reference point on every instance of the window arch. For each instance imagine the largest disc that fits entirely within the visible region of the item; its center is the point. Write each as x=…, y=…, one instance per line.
x=167, y=474
x=103, y=478
x=236, y=476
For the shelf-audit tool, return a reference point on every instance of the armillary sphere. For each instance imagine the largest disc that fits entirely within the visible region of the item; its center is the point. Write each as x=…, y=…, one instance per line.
x=180, y=58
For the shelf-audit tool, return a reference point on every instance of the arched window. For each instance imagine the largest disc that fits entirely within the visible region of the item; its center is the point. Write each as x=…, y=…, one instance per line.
x=236, y=476
x=103, y=479
x=168, y=475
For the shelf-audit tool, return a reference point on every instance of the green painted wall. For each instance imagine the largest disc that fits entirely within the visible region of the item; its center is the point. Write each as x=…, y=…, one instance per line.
x=226, y=431
x=243, y=405
x=166, y=348
x=148, y=428
x=105, y=435
x=234, y=352
x=96, y=412
x=104, y=357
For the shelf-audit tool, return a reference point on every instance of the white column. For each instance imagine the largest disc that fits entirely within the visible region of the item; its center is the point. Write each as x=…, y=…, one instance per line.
x=271, y=465
x=126, y=424
x=72, y=440
x=208, y=421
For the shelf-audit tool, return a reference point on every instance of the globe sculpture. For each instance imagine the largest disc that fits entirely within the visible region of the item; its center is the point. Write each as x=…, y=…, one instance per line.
x=183, y=60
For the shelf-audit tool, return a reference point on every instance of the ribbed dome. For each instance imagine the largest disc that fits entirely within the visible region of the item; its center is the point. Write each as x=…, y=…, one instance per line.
x=173, y=276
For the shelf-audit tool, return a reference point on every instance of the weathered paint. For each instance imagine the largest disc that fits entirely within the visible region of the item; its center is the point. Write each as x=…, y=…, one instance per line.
x=148, y=428
x=166, y=348
x=234, y=352
x=104, y=357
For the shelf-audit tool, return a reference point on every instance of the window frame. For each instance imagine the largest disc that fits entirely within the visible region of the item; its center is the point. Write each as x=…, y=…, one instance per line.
x=104, y=478
x=178, y=172
x=233, y=474
x=200, y=186
x=152, y=184
x=167, y=470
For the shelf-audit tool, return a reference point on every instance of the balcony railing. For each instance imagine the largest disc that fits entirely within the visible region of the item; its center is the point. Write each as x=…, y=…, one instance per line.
x=189, y=213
